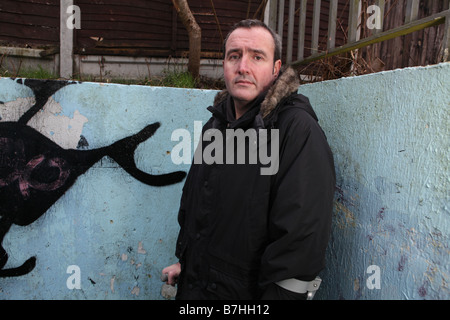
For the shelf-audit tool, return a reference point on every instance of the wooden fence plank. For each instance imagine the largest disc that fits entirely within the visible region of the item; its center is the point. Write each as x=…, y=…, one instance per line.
x=280, y=18
x=445, y=51
x=316, y=26
x=302, y=30
x=273, y=9
x=412, y=10
x=354, y=18
x=290, y=42
x=331, y=40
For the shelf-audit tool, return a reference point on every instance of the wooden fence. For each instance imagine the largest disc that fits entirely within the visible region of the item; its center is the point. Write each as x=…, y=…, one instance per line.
x=355, y=23
x=310, y=29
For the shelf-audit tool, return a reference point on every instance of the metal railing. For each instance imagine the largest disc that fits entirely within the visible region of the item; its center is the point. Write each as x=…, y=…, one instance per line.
x=377, y=10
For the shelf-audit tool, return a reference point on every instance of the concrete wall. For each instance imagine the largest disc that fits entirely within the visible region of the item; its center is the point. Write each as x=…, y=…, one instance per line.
x=102, y=67
x=118, y=231
x=390, y=136
x=108, y=235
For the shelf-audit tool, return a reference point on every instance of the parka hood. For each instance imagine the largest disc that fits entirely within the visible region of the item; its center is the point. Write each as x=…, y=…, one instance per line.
x=282, y=89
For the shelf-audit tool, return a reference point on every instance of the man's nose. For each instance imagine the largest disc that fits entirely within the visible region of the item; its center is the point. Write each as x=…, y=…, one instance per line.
x=243, y=67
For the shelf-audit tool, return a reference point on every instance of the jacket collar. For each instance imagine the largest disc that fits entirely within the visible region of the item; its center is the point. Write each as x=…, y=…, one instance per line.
x=282, y=88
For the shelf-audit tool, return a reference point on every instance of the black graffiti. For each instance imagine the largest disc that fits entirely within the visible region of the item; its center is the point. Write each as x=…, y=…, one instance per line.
x=27, y=173
x=35, y=172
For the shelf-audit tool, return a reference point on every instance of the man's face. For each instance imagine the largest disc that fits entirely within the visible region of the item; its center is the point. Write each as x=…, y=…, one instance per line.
x=248, y=66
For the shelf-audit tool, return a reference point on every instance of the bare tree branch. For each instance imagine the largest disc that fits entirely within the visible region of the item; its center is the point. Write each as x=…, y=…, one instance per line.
x=195, y=35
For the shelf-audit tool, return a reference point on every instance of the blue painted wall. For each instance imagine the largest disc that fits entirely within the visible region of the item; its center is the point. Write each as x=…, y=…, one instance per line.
x=390, y=136
x=117, y=230
x=388, y=131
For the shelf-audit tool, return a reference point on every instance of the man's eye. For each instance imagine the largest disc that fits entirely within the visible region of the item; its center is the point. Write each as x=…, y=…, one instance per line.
x=234, y=57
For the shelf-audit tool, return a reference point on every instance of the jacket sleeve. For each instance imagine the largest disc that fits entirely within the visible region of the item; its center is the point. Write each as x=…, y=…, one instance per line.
x=301, y=204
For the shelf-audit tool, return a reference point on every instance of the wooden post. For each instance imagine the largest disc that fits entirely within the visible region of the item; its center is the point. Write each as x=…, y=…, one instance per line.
x=381, y=4
x=301, y=31
x=411, y=14
x=354, y=28
x=280, y=19
x=354, y=21
x=412, y=10
x=331, y=41
x=316, y=26
x=290, y=39
x=373, y=52
x=445, y=51
x=272, y=9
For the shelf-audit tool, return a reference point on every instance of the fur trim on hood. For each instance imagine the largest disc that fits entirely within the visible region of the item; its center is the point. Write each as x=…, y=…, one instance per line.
x=286, y=83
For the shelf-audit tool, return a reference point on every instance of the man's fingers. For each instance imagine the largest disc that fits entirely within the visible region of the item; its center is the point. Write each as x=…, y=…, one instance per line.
x=171, y=273
x=169, y=278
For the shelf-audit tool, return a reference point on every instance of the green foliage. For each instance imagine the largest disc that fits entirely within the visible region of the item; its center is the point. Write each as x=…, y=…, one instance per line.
x=172, y=77
x=39, y=73
x=179, y=79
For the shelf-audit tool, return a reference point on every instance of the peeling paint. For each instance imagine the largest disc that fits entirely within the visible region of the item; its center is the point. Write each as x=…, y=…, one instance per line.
x=64, y=131
x=111, y=284
x=135, y=291
x=13, y=110
x=141, y=249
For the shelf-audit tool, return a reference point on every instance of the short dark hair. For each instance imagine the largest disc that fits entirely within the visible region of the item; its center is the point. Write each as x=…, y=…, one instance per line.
x=251, y=23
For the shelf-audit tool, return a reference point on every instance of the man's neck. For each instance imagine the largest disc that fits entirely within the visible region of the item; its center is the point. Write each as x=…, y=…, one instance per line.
x=241, y=108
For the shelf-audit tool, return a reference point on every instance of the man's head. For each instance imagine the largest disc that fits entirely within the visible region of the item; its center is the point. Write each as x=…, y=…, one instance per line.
x=252, y=53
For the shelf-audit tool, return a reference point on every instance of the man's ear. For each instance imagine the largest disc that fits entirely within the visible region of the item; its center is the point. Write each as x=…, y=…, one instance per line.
x=276, y=68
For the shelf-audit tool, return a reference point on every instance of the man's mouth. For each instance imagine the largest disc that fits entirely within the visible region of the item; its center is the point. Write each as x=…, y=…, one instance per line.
x=244, y=82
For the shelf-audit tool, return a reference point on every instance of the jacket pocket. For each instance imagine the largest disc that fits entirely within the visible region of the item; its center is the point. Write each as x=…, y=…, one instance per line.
x=226, y=286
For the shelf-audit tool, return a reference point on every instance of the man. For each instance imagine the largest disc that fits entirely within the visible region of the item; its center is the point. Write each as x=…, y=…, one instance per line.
x=244, y=234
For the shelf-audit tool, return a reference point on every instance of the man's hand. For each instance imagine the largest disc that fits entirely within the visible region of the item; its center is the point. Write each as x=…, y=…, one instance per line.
x=172, y=273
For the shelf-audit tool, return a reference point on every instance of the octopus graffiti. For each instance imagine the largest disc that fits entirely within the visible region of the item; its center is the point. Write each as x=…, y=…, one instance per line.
x=35, y=171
